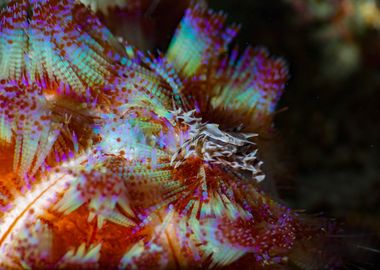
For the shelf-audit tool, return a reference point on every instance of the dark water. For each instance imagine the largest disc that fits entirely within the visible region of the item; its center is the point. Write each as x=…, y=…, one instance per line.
x=331, y=128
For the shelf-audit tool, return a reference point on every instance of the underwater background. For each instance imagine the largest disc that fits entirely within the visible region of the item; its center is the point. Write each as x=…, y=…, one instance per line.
x=331, y=125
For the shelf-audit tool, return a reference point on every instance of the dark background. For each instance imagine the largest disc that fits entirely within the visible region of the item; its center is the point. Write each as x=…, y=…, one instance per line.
x=331, y=128
x=332, y=123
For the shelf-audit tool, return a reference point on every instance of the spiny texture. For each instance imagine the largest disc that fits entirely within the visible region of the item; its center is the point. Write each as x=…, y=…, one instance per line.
x=150, y=167
x=58, y=42
x=224, y=87
x=26, y=121
x=254, y=85
x=48, y=55
x=200, y=38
